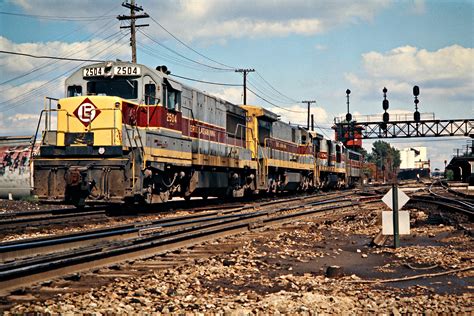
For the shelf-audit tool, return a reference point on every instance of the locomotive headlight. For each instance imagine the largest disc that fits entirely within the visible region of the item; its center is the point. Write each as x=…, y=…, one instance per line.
x=101, y=150
x=117, y=104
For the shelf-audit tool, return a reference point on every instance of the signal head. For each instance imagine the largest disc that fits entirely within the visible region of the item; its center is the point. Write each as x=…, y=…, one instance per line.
x=348, y=91
x=416, y=91
x=384, y=90
x=416, y=116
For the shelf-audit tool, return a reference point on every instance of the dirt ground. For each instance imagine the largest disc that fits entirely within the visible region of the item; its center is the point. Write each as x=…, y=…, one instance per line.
x=281, y=271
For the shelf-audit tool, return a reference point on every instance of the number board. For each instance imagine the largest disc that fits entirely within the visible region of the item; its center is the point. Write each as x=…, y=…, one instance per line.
x=118, y=71
x=93, y=71
x=127, y=71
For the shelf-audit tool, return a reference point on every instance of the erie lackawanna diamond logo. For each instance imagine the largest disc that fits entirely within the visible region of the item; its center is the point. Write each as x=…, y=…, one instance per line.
x=86, y=112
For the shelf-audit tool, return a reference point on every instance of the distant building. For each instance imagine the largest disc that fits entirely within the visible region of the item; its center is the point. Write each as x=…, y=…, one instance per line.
x=413, y=157
x=414, y=163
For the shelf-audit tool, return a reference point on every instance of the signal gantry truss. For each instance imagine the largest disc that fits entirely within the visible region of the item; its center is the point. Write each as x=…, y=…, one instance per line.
x=405, y=129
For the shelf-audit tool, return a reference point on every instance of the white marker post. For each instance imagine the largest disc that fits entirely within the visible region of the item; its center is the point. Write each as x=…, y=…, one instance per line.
x=395, y=199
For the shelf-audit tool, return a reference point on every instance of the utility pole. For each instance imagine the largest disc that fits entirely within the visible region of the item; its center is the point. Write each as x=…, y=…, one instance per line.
x=245, y=71
x=309, y=105
x=132, y=17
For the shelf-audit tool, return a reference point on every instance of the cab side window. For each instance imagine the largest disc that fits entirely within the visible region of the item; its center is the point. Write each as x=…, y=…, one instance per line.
x=171, y=98
x=74, y=91
x=150, y=94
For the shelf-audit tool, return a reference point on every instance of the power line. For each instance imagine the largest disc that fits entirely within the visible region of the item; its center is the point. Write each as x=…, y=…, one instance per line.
x=102, y=29
x=189, y=47
x=208, y=82
x=275, y=105
x=58, y=18
x=181, y=55
x=30, y=93
x=49, y=63
x=274, y=89
x=253, y=84
x=49, y=57
x=172, y=59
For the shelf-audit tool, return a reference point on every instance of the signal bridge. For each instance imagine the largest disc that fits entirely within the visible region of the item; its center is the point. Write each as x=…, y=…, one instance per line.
x=399, y=126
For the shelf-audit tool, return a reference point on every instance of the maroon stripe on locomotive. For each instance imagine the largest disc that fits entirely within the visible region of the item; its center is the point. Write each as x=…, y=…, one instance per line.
x=157, y=116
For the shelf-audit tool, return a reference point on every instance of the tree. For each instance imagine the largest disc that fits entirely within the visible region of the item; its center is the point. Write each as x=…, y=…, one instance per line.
x=384, y=156
x=361, y=151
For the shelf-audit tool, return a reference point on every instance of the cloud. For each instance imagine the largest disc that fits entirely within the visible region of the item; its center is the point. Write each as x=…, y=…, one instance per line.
x=446, y=74
x=233, y=95
x=28, y=80
x=419, y=7
x=93, y=49
x=320, y=47
x=219, y=19
x=20, y=124
x=259, y=28
x=448, y=63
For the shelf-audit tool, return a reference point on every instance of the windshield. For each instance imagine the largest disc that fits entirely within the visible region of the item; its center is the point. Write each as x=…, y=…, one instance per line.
x=124, y=88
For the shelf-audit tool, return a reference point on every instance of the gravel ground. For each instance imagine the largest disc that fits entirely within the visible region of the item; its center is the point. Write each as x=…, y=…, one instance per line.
x=282, y=272
x=8, y=206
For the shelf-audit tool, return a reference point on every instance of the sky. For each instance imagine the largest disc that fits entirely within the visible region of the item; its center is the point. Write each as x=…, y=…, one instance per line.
x=300, y=50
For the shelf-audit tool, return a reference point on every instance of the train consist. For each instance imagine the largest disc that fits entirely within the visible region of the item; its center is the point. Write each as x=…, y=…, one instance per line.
x=126, y=132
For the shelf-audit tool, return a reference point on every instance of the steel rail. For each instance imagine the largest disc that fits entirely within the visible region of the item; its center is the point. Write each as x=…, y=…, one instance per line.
x=22, y=222
x=469, y=212
x=37, y=213
x=467, y=205
x=30, y=247
x=31, y=270
x=455, y=192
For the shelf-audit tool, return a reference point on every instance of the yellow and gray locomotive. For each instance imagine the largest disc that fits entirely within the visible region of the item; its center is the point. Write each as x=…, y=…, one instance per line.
x=127, y=132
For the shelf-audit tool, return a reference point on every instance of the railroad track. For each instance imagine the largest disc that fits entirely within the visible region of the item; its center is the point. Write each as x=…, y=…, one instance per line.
x=100, y=248
x=13, y=250
x=456, y=192
x=447, y=201
x=448, y=204
x=464, y=206
x=17, y=220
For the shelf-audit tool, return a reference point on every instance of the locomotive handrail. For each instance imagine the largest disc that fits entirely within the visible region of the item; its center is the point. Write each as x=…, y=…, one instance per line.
x=48, y=122
x=36, y=134
x=48, y=128
x=244, y=127
x=39, y=120
x=114, y=128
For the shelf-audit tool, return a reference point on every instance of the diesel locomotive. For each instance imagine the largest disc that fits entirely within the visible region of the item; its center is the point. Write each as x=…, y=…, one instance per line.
x=126, y=132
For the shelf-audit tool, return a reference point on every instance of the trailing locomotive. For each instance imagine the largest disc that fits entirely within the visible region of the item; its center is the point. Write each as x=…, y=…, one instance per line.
x=126, y=132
